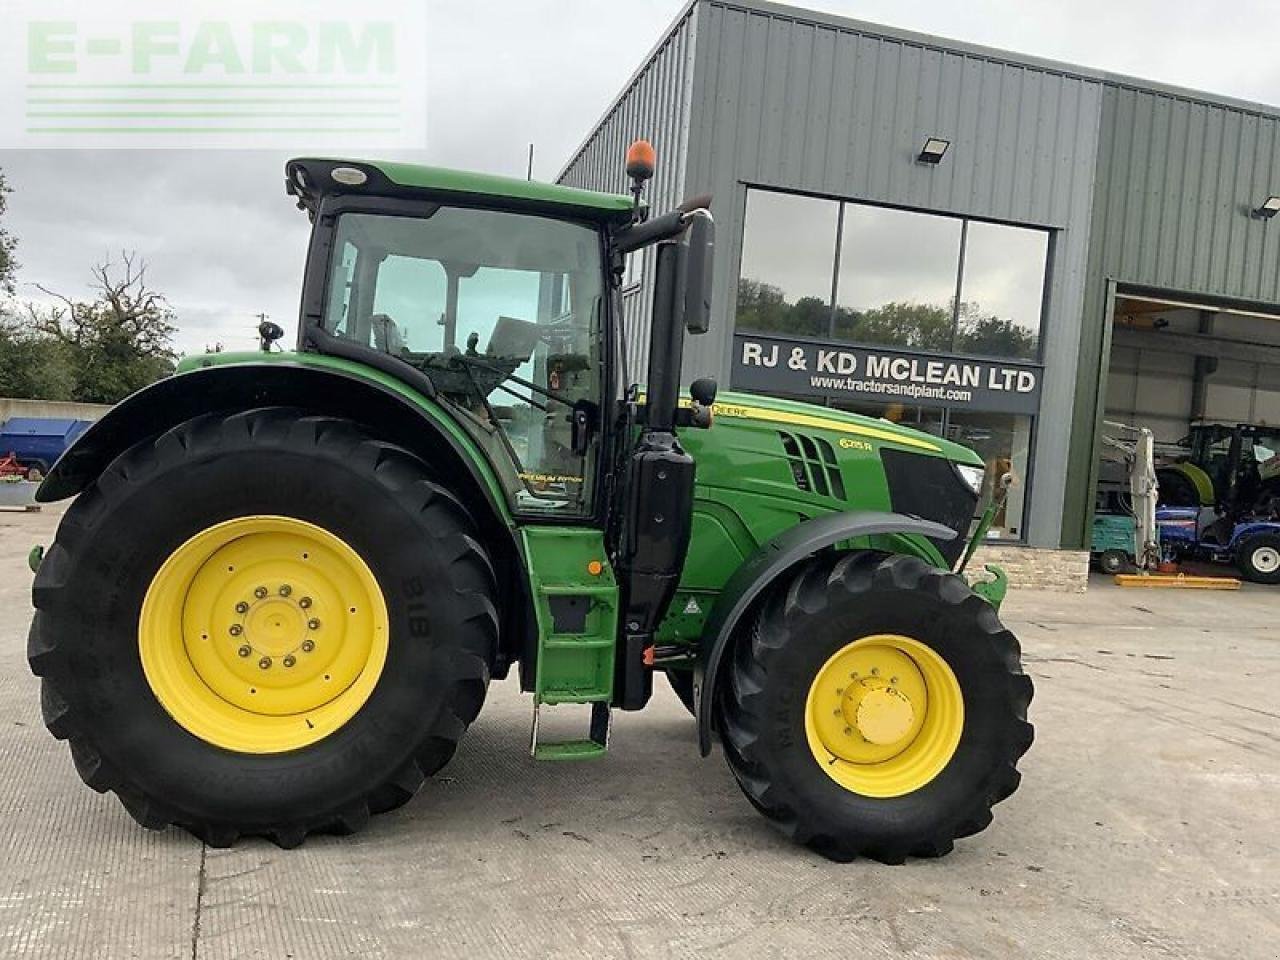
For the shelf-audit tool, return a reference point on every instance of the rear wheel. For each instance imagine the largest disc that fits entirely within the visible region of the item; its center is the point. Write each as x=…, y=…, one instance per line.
x=1258, y=558
x=263, y=624
x=877, y=709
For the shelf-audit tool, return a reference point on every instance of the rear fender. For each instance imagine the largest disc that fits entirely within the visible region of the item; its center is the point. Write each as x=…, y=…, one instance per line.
x=396, y=413
x=771, y=562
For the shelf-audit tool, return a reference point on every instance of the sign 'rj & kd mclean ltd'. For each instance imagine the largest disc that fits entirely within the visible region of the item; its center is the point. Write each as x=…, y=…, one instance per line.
x=782, y=365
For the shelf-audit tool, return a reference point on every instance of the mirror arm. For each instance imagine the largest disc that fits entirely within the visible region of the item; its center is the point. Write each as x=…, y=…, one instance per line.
x=650, y=231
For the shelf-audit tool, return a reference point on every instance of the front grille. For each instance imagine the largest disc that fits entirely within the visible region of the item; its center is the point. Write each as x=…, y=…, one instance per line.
x=931, y=489
x=813, y=464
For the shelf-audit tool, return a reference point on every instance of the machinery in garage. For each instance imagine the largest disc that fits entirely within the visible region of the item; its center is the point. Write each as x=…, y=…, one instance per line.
x=1205, y=378
x=1232, y=480
x=1234, y=466
x=1124, y=526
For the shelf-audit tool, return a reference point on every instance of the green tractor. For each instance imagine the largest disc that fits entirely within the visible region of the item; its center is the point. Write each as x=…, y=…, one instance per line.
x=287, y=578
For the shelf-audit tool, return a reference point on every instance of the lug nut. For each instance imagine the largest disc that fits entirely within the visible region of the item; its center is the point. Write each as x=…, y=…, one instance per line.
x=265, y=663
x=875, y=671
x=285, y=589
x=289, y=661
x=260, y=592
x=308, y=646
x=848, y=730
x=304, y=602
x=313, y=624
x=244, y=651
x=235, y=629
x=242, y=607
x=893, y=679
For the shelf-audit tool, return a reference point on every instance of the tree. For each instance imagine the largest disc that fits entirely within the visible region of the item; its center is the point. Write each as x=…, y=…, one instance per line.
x=909, y=326
x=989, y=335
x=8, y=265
x=116, y=343
x=763, y=308
x=939, y=328
x=32, y=366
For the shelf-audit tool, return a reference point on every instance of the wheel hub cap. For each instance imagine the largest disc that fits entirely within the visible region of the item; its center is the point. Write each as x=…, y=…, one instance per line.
x=1266, y=559
x=884, y=715
x=263, y=634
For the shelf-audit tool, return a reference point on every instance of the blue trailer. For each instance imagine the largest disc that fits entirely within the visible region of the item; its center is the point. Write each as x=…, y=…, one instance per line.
x=38, y=442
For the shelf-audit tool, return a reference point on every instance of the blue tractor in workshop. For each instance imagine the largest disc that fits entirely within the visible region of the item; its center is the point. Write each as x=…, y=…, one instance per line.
x=1236, y=519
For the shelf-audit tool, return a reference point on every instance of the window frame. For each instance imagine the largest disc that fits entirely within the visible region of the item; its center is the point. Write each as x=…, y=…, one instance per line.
x=314, y=338
x=1050, y=235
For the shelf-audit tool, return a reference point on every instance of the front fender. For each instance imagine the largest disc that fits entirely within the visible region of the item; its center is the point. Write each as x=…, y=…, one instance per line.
x=764, y=567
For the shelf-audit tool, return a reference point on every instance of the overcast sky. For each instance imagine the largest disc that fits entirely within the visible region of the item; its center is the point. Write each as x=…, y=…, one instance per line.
x=224, y=243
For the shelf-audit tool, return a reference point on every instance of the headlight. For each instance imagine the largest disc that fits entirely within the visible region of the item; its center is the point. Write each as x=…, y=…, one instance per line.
x=972, y=477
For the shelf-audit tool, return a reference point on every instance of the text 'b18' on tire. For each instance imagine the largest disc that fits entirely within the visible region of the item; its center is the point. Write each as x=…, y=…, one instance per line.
x=877, y=708
x=263, y=624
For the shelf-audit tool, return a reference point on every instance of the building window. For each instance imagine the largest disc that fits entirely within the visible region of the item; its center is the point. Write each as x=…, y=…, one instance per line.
x=1003, y=441
x=814, y=267
x=788, y=254
x=896, y=282
x=1002, y=290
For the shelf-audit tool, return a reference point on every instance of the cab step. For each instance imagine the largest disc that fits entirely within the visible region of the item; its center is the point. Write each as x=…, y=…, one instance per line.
x=595, y=745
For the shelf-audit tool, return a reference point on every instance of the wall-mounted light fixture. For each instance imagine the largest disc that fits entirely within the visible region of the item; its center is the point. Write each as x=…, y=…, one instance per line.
x=933, y=150
x=1268, y=209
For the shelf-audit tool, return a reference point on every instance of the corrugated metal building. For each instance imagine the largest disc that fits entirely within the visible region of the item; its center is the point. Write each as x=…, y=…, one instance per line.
x=973, y=291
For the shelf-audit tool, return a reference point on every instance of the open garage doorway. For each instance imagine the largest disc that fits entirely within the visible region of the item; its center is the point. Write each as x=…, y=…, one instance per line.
x=1205, y=379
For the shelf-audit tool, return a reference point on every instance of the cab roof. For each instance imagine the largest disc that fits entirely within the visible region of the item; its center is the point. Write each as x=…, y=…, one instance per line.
x=311, y=179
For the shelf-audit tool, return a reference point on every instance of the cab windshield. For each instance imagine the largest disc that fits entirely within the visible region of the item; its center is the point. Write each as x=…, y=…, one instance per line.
x=502, y=311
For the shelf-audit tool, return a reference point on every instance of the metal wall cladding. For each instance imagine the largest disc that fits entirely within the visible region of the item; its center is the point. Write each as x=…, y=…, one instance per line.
x=812, y=103
x=655, y=106
x=1177, y=180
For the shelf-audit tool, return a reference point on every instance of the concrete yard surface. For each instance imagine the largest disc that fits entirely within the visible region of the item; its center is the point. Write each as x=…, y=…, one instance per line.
x=1147, y=825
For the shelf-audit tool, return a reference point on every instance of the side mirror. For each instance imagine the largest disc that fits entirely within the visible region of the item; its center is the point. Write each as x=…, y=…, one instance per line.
x=703, y=390
x=693, y=272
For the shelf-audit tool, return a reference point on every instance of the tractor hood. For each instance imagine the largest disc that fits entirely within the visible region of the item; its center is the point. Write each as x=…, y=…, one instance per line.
x=847, y=427
x=775, y=459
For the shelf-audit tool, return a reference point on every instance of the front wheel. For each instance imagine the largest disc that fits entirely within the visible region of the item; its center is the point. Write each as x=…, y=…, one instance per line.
x=263, y=624
x=1258, y=558
x=1113, y=561
x=877, y=708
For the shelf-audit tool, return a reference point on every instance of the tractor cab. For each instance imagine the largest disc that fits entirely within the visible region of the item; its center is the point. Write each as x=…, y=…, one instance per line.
x=497, y=295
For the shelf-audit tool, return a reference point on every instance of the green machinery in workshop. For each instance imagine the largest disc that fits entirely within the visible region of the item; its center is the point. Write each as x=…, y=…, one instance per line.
x=288, y=577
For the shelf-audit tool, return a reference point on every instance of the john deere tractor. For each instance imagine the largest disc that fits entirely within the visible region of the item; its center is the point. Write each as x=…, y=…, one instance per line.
x=288, y=577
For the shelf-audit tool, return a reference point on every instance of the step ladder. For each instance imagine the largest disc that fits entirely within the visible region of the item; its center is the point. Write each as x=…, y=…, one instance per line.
x=596, y=744
x=576, y=607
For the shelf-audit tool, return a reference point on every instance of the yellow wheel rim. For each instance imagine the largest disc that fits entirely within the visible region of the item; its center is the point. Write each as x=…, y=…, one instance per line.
x=884, y=715
x=263, y=634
